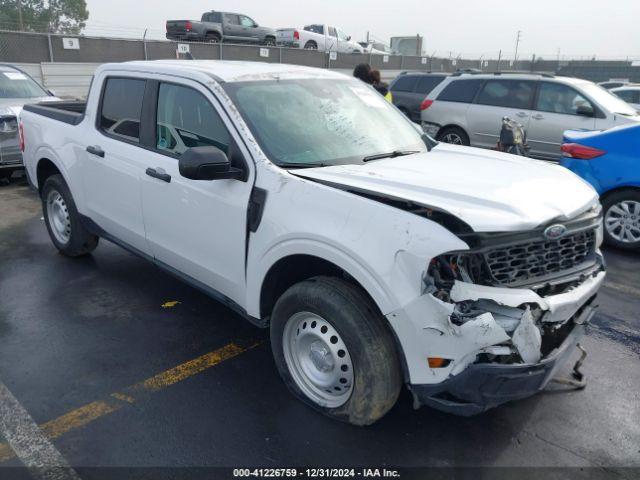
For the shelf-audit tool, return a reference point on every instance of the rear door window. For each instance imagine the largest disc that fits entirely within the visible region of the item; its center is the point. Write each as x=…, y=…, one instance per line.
x=232, y=19
x=507, y=93
x=428, y=83
x=121, y=108
x=405, y=83
x=462, y=91
x=332, y=32
x=315, y=29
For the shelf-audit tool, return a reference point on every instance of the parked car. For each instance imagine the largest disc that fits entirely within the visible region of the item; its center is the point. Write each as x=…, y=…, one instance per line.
x=376, y=256
x=17, y=88
x=375, y=48
x=317, y=37
x=467, y=109
x=409, y=89
x=609, y=160
x=630, y=94
x=217, y=27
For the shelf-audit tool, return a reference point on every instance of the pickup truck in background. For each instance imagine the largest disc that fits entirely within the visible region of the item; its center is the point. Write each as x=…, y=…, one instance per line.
x=350, y=234
x=215, y=27
x=317, y=37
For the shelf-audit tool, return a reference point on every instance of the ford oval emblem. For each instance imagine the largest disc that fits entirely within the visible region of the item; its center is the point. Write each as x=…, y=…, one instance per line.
x=554, y=232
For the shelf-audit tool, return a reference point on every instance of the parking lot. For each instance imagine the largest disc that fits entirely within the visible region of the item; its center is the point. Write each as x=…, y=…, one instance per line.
x=122, y=365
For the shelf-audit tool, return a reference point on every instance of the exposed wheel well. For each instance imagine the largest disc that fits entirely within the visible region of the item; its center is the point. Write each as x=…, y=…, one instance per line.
x=45, y=169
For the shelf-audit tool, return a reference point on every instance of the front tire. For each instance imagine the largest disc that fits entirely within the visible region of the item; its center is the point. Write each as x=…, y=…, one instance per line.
x=622, y=219
x=63, y=221
x=335, y=351
x=454, y=135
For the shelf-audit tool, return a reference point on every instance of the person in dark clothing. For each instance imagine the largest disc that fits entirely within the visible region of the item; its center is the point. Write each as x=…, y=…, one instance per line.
x=363, y=72
x=379, y=85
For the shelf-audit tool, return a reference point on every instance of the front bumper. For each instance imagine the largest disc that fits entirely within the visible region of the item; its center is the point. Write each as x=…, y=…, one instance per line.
x=483, y=386
x=431, y=129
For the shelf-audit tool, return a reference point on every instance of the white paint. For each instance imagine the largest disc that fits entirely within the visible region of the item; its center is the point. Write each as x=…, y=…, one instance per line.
x=527, y=339
x=510, y=297
x=264, y=52
x=324, y=41
x=28, y=442
x=184, y=48
x=71, y=43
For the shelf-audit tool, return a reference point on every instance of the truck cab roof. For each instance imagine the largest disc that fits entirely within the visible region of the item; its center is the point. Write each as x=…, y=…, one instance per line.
x=223, y=70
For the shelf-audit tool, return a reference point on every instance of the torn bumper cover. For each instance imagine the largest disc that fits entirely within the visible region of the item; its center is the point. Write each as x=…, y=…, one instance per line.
x=482, y=386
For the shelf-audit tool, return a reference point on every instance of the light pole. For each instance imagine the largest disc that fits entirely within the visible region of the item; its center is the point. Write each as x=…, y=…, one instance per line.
x=19, y=3
x=515, y=57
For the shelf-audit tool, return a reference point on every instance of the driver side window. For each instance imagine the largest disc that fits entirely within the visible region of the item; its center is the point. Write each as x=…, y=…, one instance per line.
x=558, y=98
x=186, y=119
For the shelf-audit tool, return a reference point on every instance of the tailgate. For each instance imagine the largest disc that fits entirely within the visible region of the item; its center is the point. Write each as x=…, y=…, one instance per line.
x=177, y=26
x=285, y=34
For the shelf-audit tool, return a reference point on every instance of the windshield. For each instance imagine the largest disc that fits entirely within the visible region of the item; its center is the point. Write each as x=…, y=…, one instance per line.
x=607, y=100
x=15, y=84
x=318, y=122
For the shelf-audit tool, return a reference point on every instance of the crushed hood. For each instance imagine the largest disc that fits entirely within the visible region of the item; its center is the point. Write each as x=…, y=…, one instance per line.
x=490, y=191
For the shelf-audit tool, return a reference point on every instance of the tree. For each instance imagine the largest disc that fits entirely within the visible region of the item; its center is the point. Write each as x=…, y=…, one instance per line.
x=58, y=16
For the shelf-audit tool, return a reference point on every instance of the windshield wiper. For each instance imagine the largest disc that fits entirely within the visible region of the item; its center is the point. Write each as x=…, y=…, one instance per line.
x=287, y=165
x=394, y=154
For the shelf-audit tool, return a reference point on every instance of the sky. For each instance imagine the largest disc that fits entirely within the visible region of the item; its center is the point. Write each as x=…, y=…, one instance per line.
x=466, y=28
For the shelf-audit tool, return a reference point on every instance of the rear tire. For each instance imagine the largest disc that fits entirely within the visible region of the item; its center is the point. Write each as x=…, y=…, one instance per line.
x=212, y=38
x=63, y=221
x=270, y=41
x=335, y=351
x=311, y=45
x=454, y=135
x=622, y=219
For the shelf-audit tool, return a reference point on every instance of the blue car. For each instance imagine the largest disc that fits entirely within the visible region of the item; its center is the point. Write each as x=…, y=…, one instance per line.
x=610, y=161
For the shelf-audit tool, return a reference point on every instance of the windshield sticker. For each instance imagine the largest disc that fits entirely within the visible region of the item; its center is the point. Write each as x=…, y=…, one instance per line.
x=370, y=97
x=15, y=75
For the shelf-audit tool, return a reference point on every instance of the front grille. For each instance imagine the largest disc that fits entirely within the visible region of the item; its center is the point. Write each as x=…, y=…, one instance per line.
x=524, y=263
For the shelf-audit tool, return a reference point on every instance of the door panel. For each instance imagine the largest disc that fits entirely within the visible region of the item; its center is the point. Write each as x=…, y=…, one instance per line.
x=197, y=227
x=556, y=111
x=498, y=99
x=111, y=182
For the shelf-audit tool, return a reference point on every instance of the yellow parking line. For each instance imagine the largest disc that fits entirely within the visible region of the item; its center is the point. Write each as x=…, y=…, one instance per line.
x=88, y=413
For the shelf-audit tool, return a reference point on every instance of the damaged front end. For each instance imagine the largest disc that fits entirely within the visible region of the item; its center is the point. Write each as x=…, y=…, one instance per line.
x=511, y=309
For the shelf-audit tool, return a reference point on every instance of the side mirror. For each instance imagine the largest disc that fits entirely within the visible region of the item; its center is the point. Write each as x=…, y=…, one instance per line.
x=255, y=25
x=207, y=163
x=585, y=110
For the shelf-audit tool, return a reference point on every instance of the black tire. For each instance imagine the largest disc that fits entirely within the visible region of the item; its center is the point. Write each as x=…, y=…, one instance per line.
x=377, y=376
x=270, y=41
x=80, y=241
x=454, y=135
x=311, y=45
x=212, y=38
x=5, y=174
x=633, y=219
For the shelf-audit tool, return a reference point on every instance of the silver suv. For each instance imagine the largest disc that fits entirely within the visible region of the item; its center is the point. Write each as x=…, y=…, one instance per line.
x=467, y=109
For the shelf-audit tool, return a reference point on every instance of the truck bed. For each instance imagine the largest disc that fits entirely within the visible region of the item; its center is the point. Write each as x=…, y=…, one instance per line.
x=71, y=112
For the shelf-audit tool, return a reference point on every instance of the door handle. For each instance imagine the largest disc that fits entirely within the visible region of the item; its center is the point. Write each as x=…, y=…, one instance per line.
x=95, y=150
x=537, y=116
x=152, y=172
x=522, y=114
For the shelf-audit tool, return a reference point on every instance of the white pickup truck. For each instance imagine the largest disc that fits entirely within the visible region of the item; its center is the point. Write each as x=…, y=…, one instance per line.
x=318, y=37
x=303, y=200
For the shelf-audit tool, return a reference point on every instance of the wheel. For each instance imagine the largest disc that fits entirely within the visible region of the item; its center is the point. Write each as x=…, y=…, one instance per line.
x=6, y=174
x=335, y=351
x=311, y=45
x=270, y=41
x=454, y=135
x=212, y=38
x=63, y=221
x=622, y=219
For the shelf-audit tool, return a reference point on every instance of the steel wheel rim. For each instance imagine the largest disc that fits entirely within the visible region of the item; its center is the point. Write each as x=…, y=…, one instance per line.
x=58, y=215
x=318, y=360
x=622, y=221
x=453, y=138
